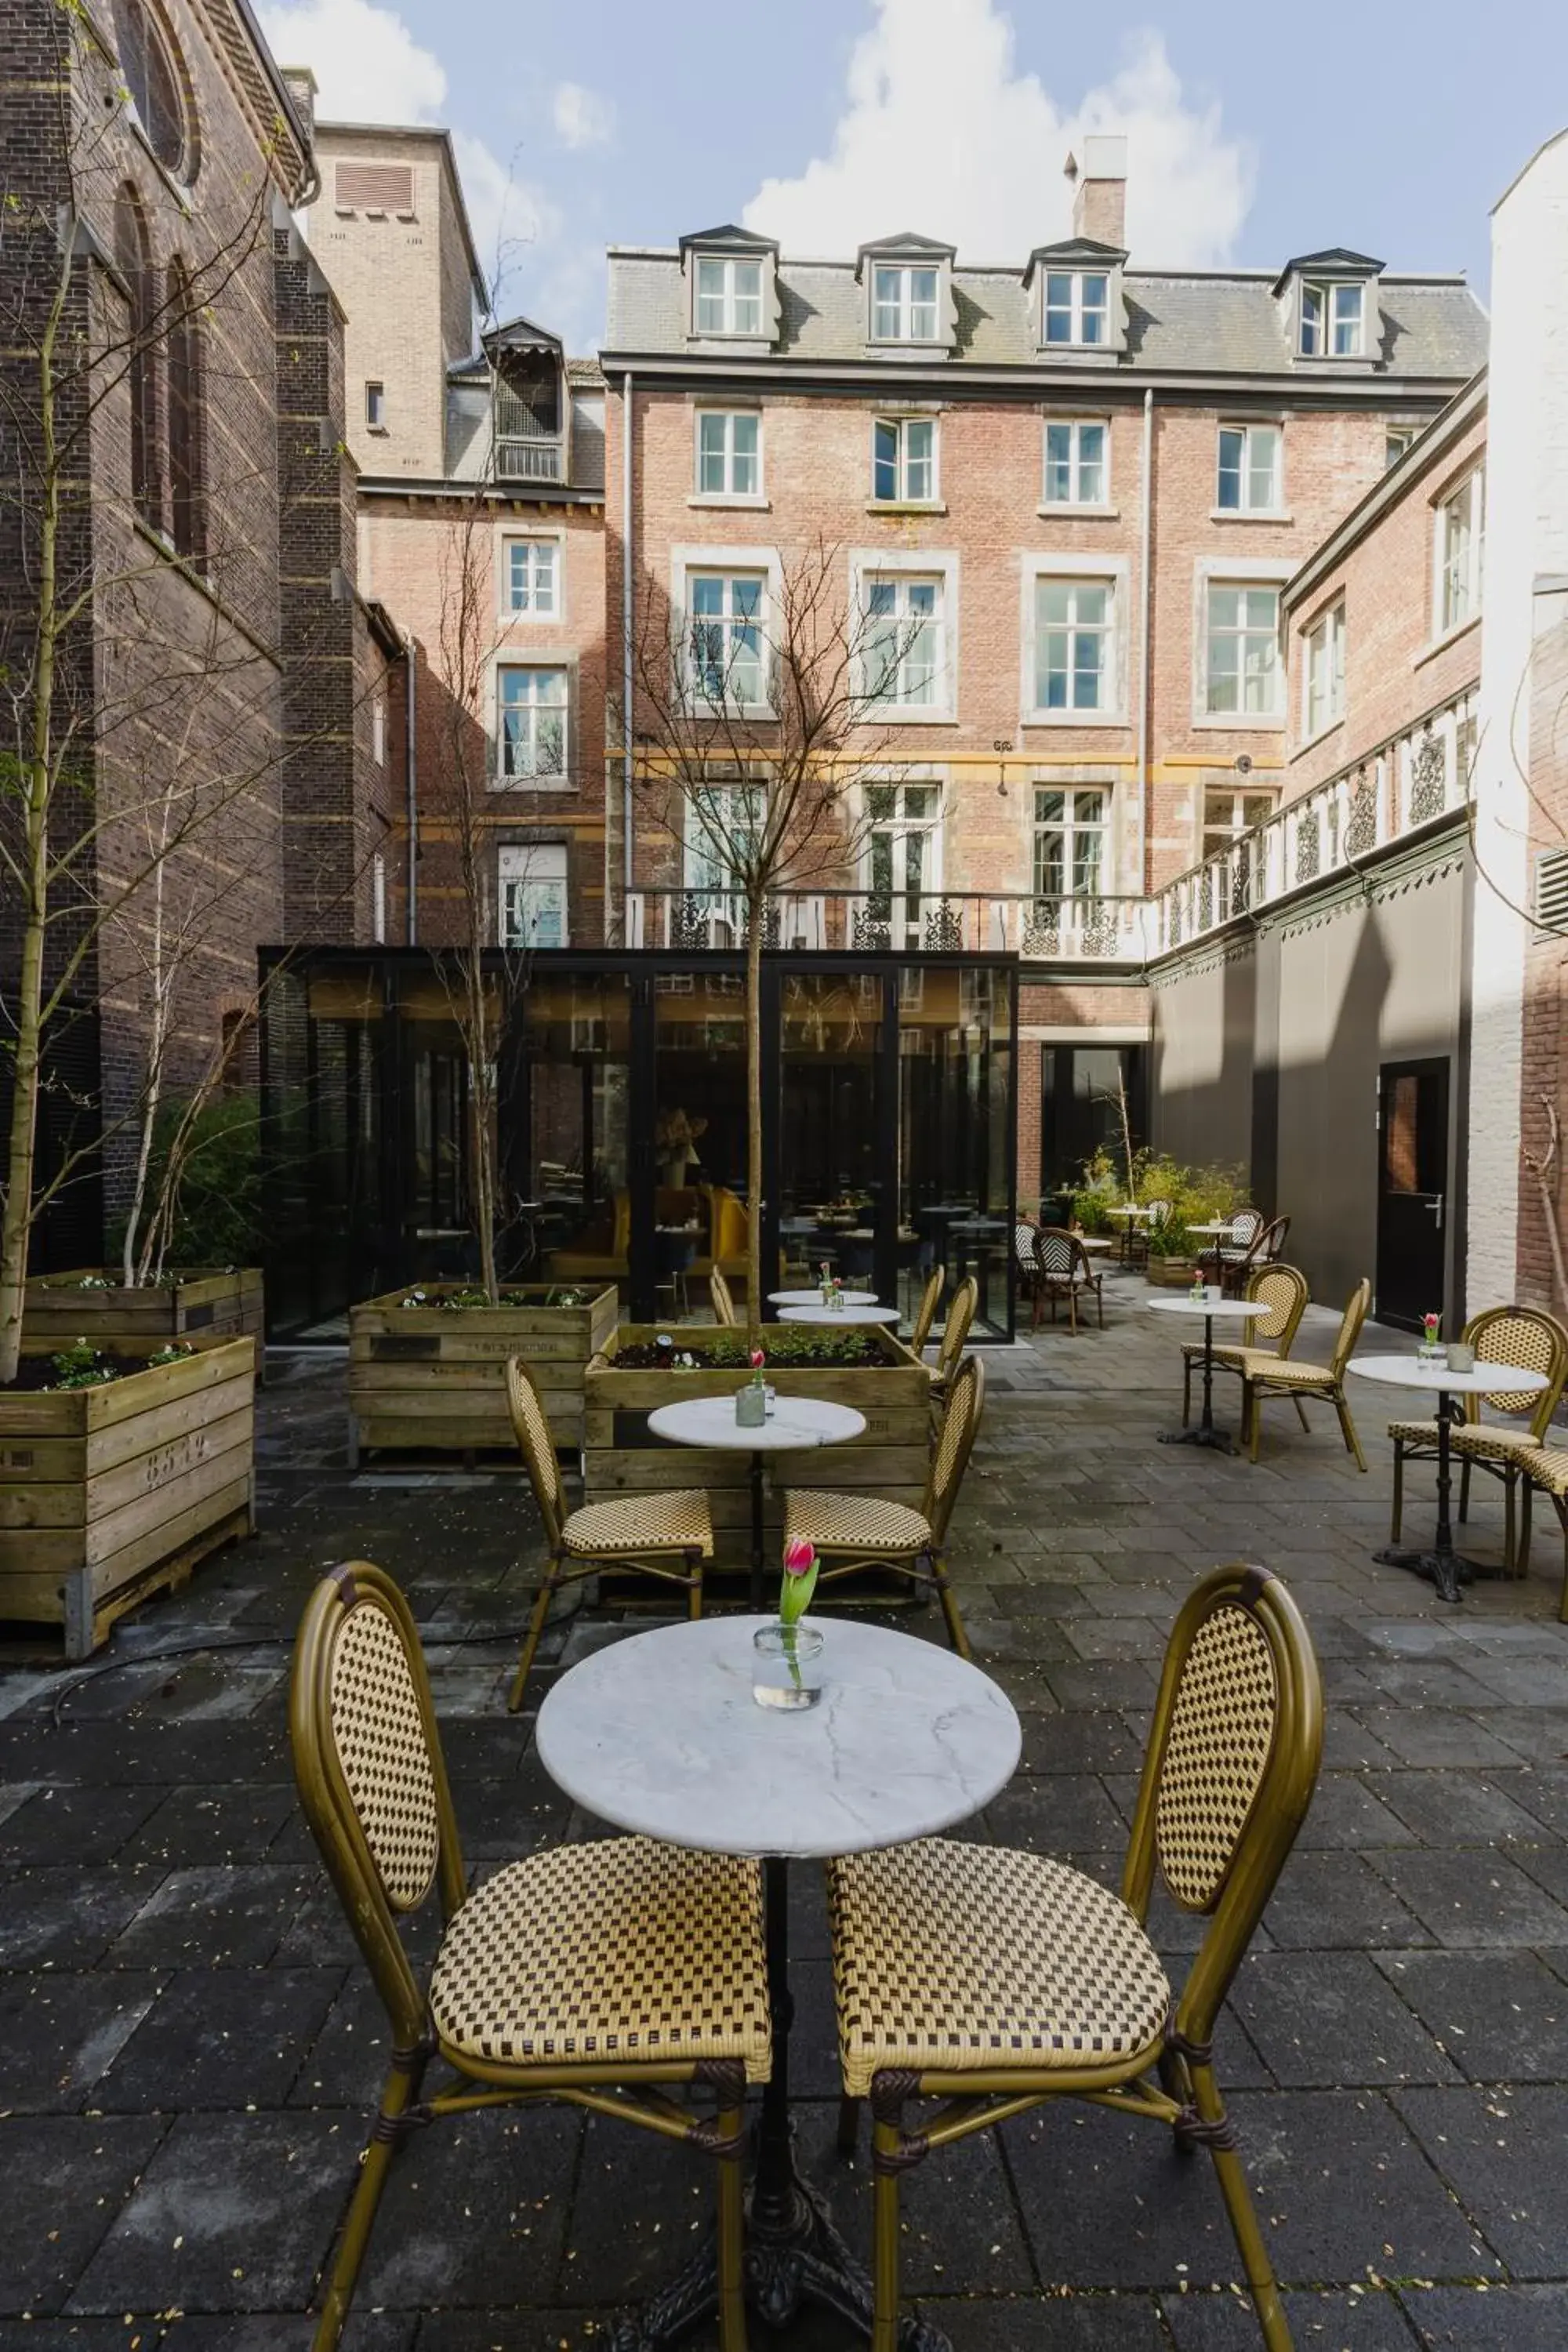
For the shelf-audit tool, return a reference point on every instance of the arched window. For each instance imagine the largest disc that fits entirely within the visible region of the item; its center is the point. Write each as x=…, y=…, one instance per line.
x=186, y=515
x=148, y=61
x=134, y=256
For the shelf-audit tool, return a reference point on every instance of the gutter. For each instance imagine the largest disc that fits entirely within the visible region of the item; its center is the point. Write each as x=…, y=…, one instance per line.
x=411, y=781
x=1145, y=629
x=626, y=607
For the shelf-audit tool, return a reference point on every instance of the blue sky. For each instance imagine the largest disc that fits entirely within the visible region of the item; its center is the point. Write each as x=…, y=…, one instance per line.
x=1253, y=133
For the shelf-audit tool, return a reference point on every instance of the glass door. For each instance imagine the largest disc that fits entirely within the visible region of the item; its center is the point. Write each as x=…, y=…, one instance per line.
x=1413, y=1177
x=833, y=1197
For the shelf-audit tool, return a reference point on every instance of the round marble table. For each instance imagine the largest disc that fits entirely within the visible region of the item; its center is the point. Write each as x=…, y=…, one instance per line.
x=813, y=1298
x=1443, y=1567
x=853, y=1310
x=795, y=1424
x=1212, y=1304
x=659, y=1734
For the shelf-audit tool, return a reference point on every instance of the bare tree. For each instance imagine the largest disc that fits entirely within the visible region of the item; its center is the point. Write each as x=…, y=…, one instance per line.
x=760, y=734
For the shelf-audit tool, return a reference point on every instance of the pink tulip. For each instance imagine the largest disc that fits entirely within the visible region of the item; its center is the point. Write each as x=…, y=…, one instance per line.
x=800, y=1556
x=758, y=1360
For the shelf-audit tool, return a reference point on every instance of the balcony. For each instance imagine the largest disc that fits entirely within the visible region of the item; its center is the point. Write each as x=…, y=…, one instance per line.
x=1412, y=781
x=1039, y=930
x=529, y=458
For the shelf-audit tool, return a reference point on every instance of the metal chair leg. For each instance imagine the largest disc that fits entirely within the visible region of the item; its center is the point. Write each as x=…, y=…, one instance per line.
x=694, y=1589
x=884, y=2238
x=1347, y=1427
x=1397, y=1508
x=1302, y=1414
x=1186, y=1388
x=530, y=1640
x=731, y=2123
x=398, y=2094
x=1510, y=1560
x=1251, y=1398
x=1242, y=2215
x=848, y=2125
x=945, y=1595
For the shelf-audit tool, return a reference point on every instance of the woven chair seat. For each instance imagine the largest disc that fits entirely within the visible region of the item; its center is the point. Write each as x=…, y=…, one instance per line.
x=1546, y=1466
x=642, y=1523
x=1483, y=1440
x=1192, y=1349
x=1262, y=1364
x=863, y=1523
x=1002, y=1959
x=613, y=1951
x=1417, y=1432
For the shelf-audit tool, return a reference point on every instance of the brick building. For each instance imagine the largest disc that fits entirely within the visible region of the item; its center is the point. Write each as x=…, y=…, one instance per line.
x=212, y=680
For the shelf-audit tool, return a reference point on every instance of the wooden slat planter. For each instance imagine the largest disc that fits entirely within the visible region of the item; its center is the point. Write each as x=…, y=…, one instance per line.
x=201, y=1309
x=432, y=1376
x=108, y=1494
x=620, y=1457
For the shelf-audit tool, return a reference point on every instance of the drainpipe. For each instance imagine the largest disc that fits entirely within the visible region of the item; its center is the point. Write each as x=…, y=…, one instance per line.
x=1145, y=694
x=411, y=780
x=627, y=649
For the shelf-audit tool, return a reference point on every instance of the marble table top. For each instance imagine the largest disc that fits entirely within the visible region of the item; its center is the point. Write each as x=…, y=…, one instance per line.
x=659, y=1734
x=853, y=1311
x=796, y=1421
x=813, y=1298
x=1409, y=1373
x=1182, y=1302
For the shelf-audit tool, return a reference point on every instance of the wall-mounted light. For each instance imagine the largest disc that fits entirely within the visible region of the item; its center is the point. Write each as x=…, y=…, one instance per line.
x=1001, y=743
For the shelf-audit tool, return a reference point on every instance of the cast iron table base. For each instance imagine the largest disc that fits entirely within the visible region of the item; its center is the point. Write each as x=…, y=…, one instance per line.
x=1216, y=1440
x=1445, y=1568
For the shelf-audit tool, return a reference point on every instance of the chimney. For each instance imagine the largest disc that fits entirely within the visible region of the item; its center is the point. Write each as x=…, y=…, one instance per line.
x=1099, y=201
x=302, y=86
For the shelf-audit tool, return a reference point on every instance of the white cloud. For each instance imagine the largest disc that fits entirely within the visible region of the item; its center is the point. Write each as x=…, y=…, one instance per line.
x=369, y=66
x=582, y=116
x=941, y=134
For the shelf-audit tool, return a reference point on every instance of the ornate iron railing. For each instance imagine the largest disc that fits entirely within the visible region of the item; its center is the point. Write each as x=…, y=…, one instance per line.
x=1049, y=930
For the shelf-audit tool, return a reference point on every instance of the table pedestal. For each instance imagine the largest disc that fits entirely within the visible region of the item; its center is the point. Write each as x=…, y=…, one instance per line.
x=1445, y=1568
x=1205, y=1433
x=793, y=2254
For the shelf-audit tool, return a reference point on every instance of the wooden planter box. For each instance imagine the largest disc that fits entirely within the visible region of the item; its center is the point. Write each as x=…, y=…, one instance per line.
x=201, y=1309
x=108, y=1494
x=889, y=1458
x=433, y=1376
x=1173, y=1273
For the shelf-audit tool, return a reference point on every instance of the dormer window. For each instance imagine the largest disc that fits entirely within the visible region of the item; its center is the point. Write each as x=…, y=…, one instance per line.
x=1334, y=322
x=1077, y=306
x=728, y=296
x=1329, y=307
x=906, y=284
x=903, y=305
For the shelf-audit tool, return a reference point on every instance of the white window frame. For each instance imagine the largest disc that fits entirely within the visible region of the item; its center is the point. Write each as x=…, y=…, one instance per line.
x=1318, y=339
x=1404, y=435
x=1323, y=671
x=729, y=417
x=378, y=729
x=868, y=564
x=1239, y=789
x=697, y=857
x=530, y=779
x=530, y=868
x=906, y=906
x=1275, y=511
x=689, y=563
x=1072, y=825
x=375, y=405
x=1446, y=621
x=728, y=264
x=527, y=614
x=1237, y=572
x=1075, y=427
x=1109, y=571
x=1221, y=582
x=904, y=303
x=1076, y=310
x=898, y=425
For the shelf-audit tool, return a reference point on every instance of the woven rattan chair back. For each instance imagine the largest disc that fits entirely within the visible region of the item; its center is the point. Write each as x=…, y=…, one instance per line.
x=1158, y=1213
x=930, y=1300
x=1357, y=1307
x=1244, y=1227
x=1269, y=1246
x=955, y=1330
x=531, y=1427
x=1283, y=1291
x=1231, y=1765
x=368, y=1762
x=1057, y=1252
x=950, y=1455
x=1534, y=1340
x=1024, y=1246
x=723, y=1304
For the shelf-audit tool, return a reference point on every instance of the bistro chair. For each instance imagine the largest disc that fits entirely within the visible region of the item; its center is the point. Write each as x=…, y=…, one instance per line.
x=1283, y=1292
x=1546, y=1467
x=992, y=1980
x=1246, y=1225
x=723, y=1304
x=1064, y=1272
x=961, y=1309
x=1139, y=1231
x=852, y=1531
x=667, y=1535
x=609, y=1974
x=1264, y=1375
x=1524, y=1336
x=1263, y=1249
x=931, y=1299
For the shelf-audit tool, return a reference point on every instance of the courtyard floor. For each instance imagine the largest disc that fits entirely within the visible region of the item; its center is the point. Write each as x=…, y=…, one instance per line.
x=190, y=2047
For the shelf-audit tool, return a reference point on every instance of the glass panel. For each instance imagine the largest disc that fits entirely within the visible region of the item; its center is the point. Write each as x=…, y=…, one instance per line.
x=744, y=480
x=1232, y=449
x=710, y=298
x=1091, y=464
x=700, y=1134
x=1263, y=467
x=923, y=305
x=748, y=282
x=574, y=1222
x=955, y=1082
x=1095, y=313
x=918, y=460
x=1348, y=305
x=831, y=1194
x=1312, y=320
x=885, y=462
x=1058, y=308
x=1059, y=463
x=887, y=305
x=711, y=455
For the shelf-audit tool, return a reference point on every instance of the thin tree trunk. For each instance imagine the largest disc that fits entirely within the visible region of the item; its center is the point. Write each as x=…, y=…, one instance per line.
x=755, y=919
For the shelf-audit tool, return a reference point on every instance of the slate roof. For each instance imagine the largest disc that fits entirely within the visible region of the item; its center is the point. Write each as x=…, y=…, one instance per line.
x=1192, y=323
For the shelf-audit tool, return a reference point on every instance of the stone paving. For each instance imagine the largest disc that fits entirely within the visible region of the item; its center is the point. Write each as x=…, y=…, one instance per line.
x=189, y=2046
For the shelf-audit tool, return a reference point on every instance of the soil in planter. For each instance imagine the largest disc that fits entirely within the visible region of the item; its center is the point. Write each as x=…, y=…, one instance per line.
x=37, y=1374
x=853, y=1348
x=469, y=1299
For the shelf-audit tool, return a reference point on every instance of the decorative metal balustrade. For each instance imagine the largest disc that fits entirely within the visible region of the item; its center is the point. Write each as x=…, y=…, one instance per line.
x=1073, y=930
x=1415, y=780
x=520, y=459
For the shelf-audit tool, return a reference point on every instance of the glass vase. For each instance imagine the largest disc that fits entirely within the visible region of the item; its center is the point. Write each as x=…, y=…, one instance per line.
x=787, y=1664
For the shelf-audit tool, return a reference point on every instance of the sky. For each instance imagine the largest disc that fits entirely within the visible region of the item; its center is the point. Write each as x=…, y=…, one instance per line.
x=1253, y=133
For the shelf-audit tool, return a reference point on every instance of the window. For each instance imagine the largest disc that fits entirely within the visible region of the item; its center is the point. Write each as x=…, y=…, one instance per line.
x=378, y=730
x=532, y=715
x=1073, y=624
x=729, y=454
x=903, y=657
x=1229, y=814
x=375, y=407
x=531, y=577
x=1331, y=321
x=903, y=460
x=1243, y=672
x=1395, y=441
x=1249, y=469
x=1459, y=527
x=729, y=297
x=903, y=853
x=903, y=305
x=726, y=642
x=1072, y=830
x=1078, y=307
x=723, y=821
x=1325, y=680
x=147, y=59
x=377, y=898
x=187, y=511
x=1075, y=465
x=533, y=895
x=134, y=257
